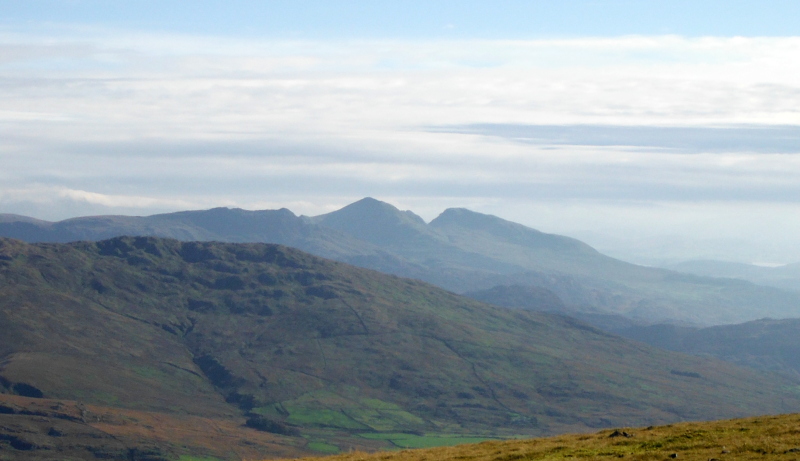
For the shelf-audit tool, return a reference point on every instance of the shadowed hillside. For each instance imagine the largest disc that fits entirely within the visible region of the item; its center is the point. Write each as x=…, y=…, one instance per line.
x=326, y=354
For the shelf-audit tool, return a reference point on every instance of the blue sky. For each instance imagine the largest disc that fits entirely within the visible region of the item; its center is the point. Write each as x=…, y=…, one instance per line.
x=418, y=19
x=653, y=130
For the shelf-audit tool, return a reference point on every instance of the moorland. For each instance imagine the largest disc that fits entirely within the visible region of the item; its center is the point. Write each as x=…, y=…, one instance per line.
x=771, y=437
x=321, y=355
x=234, y=334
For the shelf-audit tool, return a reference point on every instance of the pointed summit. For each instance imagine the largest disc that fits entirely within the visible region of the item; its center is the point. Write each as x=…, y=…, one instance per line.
x=375, y=221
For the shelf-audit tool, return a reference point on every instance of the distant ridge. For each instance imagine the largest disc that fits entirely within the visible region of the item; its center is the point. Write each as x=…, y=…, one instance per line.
x=785, y=277
x=460, y=250
x=453, y=219
x=10, y=218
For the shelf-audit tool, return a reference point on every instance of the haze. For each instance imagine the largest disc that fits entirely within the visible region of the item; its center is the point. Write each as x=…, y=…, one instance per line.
x=655, y=131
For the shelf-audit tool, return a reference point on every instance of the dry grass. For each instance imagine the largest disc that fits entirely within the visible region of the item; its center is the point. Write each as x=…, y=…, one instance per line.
x=220, y=438
x=762, y=438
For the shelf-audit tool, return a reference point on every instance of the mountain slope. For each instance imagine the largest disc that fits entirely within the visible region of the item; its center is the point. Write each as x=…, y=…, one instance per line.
x=520, y=297
x=773, y=438
x=582, y=277
x=335, y=352
x=767, y=344
x=461, y=251
x=469, y=228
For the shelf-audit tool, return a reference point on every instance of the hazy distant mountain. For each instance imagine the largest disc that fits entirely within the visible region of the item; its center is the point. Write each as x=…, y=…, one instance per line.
x=318, y=351
x=460, y=250
x=786, y=277
x=280, y=226
x=770, y=345
x=537, y=298
x=379, y=223
x=474, y=230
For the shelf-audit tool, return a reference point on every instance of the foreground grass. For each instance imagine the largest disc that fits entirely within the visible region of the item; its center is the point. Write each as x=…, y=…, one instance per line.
x=402, y=440
x=769, y=437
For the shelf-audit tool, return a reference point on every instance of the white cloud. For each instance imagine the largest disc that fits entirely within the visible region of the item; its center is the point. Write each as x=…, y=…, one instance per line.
x=131, y=121
x=121, y=201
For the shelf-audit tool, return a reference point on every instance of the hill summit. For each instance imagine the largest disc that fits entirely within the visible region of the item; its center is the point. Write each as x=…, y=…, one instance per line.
x=376, y=222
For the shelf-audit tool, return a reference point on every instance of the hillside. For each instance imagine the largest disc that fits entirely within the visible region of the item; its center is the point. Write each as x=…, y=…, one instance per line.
x=460, y=250
x=766, y=344
x=33, y=429
x=771, y=437
x=324, y=355
x=520, y=297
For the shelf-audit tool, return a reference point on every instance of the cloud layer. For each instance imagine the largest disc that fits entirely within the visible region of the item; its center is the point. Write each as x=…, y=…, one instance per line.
x=98, y=121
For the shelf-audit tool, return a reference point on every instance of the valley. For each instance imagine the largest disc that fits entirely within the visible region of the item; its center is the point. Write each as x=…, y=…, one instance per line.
x=337, y=230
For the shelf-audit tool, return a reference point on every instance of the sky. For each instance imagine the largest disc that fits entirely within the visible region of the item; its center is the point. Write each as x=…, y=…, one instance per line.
x=656, y=131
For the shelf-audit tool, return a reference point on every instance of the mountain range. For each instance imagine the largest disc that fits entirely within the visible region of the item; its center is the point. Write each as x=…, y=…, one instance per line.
x=786, y=277
x=460, y=250
x=117, y=335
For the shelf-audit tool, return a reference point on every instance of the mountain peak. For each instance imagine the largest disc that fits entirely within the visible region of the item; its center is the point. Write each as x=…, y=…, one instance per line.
x=374, y=221
x=371, y=207
x=462, y=217
x=370, y=201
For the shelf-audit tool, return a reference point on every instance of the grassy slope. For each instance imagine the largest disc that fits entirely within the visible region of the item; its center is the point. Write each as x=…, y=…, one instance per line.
x=772, y=437
x=47, y=429
x=215, y=330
